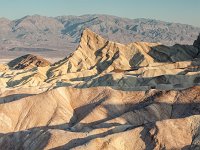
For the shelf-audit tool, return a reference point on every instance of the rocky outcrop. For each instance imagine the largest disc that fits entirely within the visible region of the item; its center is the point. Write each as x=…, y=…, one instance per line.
x=98, y=62
x=28, y=61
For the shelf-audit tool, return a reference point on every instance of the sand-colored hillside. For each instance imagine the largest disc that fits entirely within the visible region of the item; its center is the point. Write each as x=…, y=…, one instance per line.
x=65, y=118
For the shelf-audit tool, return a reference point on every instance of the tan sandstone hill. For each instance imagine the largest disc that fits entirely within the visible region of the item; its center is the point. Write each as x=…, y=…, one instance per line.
x=28, y=61
x=105, y=95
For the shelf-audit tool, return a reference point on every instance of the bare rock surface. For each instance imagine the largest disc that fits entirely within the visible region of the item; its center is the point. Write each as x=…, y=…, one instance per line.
x=28, y=61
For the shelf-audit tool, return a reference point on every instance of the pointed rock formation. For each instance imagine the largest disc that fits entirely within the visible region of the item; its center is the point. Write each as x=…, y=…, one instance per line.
x=96, y=56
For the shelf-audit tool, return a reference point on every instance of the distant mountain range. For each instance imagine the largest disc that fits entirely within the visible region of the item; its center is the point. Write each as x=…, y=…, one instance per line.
x=58, y=34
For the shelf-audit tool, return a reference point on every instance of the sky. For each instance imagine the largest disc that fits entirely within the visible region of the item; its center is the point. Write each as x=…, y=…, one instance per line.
x=179, y=11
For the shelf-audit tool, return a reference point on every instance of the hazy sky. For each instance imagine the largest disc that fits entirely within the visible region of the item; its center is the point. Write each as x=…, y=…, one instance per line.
x=182, y=11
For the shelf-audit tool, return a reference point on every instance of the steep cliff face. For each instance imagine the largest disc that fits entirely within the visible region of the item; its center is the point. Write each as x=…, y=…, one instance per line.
x=105, y=95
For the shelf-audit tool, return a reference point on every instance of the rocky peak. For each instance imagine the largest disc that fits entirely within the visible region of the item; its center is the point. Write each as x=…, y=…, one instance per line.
x=91, y=40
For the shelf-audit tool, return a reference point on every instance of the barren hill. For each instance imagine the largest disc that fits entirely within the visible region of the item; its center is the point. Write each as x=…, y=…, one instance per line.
x=28, y=61
x=104, y=95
